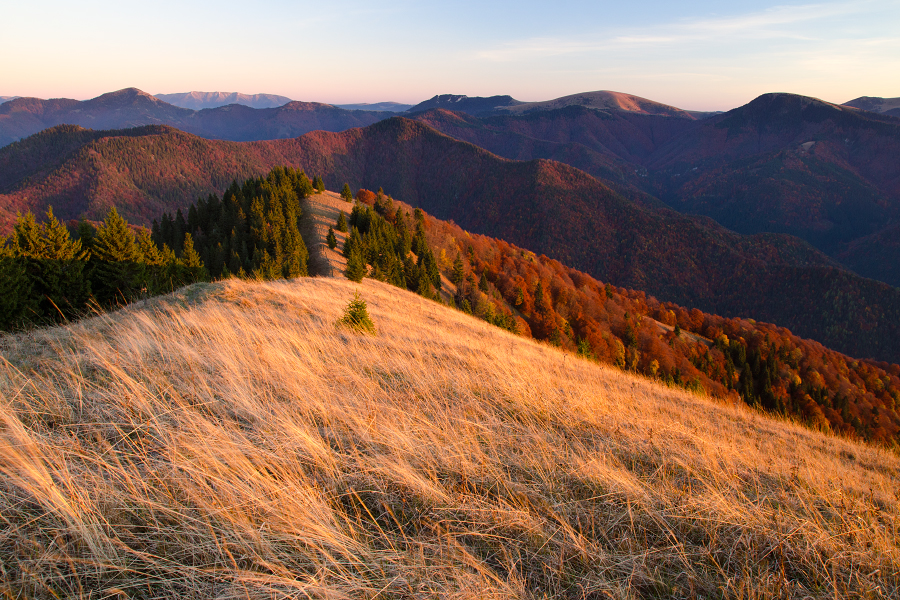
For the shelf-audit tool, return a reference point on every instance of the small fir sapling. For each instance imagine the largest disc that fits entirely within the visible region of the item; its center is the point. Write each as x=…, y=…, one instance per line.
x=356, y=316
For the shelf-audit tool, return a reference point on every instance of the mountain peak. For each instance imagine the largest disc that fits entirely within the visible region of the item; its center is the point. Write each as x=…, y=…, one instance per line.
x=126, y=98
x=603, y=100
x=875, y=104
x=472, y=105
x=199, y=100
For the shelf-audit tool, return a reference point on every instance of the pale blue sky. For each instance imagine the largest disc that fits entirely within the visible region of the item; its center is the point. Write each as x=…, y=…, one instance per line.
x=699, y=55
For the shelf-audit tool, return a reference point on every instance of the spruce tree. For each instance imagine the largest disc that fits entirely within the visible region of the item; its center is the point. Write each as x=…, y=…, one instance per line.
x=483, y=283
x=304, y=186
x=85, y=234
x=66, y=286
x=118, y=272
x=155, y=260
x=16, y=300
x=356, y=265
x=54, y=264
x=458, y=271
x=342, y=223
x=356, y=316
x=193, y=267
x=27, y=238
x=353, y=243
x=346, y=193
x=331, y=239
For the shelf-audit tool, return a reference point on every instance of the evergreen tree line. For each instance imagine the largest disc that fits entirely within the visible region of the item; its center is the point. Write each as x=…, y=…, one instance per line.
x=253, y=231
x=48, y=276
x=381, y=238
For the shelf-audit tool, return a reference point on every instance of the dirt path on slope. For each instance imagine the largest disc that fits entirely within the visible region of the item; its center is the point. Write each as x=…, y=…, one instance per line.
x=321, y=212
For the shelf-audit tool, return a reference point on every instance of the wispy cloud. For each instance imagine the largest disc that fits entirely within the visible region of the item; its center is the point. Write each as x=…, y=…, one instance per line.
x=782, y=22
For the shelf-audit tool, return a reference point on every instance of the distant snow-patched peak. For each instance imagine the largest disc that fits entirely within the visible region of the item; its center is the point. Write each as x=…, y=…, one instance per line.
x=200, y=100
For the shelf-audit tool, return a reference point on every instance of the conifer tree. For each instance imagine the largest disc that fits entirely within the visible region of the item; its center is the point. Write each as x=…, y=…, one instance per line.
x=159, y=263
x=16, y=300
x=458, y=271
x=356, y=316
x=404, y=238
x=179, y=228
x=342, y=223
x=118, y=272
x=190, y=261
x=353, y=243
x=28, y=239
x=65, y=283
x=356, y=265
x=331, y=239
x=265, y=267
x=483, y=283
x=319, y=184
x=347, y=194
x=85, y=234
x=304, y=186
x=54, y=264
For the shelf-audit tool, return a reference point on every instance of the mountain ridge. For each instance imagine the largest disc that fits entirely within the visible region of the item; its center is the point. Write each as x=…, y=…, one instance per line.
x=200, y=100
x=545, y=206
x=131, y=107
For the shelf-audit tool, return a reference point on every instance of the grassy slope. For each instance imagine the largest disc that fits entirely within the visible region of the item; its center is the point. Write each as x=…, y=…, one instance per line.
x=230, y=441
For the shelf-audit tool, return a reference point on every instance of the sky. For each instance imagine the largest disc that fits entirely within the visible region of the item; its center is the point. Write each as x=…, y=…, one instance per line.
x=699, y=55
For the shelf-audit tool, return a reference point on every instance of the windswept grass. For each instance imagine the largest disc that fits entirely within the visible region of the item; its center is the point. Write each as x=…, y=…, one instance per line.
x=231, y=441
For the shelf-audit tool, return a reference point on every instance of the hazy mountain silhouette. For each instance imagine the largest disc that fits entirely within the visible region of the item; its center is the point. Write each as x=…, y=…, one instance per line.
x=132, y=107
x=201, y=100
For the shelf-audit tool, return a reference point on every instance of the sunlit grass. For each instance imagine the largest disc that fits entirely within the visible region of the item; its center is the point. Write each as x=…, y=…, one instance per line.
x=231, y=441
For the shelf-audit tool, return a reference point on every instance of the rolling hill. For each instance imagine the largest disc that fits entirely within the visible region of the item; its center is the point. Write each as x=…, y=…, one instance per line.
x=460, y=103
x=541, y=205
x=605, y=100
x=887, y=106
x=229, y=440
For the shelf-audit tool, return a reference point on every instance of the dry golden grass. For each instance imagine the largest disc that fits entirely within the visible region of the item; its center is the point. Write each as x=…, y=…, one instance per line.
x=321, y=211
x=230, y=441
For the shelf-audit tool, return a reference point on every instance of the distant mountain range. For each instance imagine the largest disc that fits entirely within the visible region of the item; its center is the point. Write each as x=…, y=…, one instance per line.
x=395, y=107
x=238, y=120
x=7, y=98
x=604, y=100
x=888, y=106
x=201, y=100
x=132, y=107
x=542, y=205
x=782, y=164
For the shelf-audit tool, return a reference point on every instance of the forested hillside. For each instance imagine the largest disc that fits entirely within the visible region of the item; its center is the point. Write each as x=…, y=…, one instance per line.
x=47, y=275
x=544, y=206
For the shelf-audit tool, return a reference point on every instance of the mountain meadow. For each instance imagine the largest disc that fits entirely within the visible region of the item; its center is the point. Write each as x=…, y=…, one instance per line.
x=275, y=227
x=235, y=440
